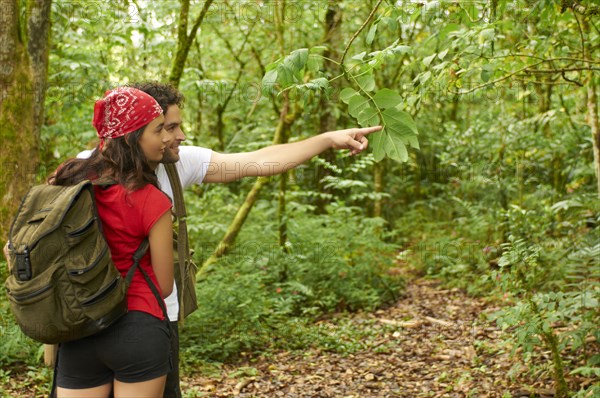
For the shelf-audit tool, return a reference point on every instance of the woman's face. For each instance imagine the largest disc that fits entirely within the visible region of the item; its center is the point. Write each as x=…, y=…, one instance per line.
x=154, y=140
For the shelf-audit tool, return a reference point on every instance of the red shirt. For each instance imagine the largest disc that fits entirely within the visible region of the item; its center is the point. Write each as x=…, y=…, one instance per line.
x=127, y=218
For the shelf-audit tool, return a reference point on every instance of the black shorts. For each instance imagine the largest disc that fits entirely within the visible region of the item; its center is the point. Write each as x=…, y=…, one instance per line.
x=135, y=349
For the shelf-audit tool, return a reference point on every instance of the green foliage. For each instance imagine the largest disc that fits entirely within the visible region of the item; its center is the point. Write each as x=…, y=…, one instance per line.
x=536, y=317
x=384, y=107
x=259, y=296
x=500, y=199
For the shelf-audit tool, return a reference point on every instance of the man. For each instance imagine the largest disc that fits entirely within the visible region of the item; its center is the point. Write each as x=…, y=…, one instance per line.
x=196, y=165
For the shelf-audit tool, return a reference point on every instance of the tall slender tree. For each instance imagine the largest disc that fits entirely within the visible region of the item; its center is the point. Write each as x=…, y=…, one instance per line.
x=185, y=39
x=24, y=37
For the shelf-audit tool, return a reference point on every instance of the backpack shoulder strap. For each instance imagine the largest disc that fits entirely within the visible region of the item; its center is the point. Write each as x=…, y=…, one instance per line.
x=137, y=257
x=182, y=237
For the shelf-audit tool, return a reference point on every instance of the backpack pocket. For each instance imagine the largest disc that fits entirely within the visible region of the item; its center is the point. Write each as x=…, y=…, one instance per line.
x=108, y=304
x=85, y=267
x=92, y=272
x=40, y=310
x=83, y=230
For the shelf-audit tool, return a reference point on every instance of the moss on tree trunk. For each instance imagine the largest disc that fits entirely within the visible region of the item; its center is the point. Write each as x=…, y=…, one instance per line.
x=24, y=64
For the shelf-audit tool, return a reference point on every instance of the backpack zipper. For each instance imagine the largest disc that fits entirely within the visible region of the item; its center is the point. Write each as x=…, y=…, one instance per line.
x=82, y=229
x=86, y=269
x=23, y=297
x=102, y=293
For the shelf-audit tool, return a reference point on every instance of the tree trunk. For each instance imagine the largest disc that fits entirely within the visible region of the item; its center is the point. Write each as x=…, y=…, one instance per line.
x=592, y=105
x=281, y=216
x=327, y=121
x=220, y=127
x=184, y=41
x=378, y=170
x=23, y=70
x=38, y=26
x=284, y=137
x=200, y=97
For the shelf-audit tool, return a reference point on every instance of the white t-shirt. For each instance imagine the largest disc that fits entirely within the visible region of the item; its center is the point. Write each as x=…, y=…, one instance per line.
x=192, y=167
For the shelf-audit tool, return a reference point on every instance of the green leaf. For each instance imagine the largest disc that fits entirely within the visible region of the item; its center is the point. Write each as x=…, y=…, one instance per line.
x=451, y=27
x=371, y=34
x=285, y=76
x=368, y=117
x=377, y=140
x=297, y=59
x=404, y=133
x=402, y=50
x=360, y=56
x=346, y=94
x=269, y=81
x=317, y=49
x=386, y=98
x=395, y=148
x=485, y=75
x=394, y=116
x=317, y=84
x=487, y=71
x=442, y=54
x=314, y=63
x=427, y=60
x=399, y=132
x=273, y=65
x=357, y=104
x=366, y=82
x=486, y=35
x=440, y=66
x=413, y=141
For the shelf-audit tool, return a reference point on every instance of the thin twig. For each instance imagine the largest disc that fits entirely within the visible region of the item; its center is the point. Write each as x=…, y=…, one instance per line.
x=360, y=30
x=570, y=80
x=498, y=80
x=562, y=70
x=580, y=35
x=589, y=61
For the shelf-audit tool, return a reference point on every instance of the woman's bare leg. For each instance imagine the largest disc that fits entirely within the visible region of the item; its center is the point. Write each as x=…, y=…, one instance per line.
x=146, y=389
x=95, y=392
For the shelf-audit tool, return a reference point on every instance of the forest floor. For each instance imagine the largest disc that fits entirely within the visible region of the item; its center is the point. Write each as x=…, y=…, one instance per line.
x=433, y=342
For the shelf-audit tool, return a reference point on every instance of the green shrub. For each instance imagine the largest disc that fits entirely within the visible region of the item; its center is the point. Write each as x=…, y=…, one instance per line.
x=260, y=296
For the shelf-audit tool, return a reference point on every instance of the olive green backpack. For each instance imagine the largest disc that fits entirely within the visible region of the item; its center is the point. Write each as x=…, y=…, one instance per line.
x=62, y=283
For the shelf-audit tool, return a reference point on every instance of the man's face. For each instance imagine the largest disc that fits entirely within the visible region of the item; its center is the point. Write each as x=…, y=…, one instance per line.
x=173, y=126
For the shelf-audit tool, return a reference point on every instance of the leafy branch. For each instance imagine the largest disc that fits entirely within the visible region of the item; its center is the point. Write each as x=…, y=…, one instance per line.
x=368, y=105
x=501, y=79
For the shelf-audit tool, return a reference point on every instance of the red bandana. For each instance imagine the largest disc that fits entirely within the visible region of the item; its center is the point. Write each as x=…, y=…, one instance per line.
x=123, y=110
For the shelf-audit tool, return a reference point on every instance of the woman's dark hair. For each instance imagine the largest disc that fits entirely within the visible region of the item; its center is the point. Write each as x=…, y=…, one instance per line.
x=121, y=160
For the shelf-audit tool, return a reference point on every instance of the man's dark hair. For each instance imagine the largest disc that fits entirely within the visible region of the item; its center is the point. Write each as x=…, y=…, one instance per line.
x=164, y=93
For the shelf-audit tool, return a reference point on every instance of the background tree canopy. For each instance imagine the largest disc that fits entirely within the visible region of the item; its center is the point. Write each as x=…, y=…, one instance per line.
x=487, y=174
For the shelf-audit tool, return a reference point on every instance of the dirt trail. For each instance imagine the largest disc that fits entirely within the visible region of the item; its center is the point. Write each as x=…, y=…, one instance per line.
x=432, y=343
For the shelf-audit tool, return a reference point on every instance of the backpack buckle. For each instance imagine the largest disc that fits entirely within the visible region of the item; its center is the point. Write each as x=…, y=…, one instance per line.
x=23, y=265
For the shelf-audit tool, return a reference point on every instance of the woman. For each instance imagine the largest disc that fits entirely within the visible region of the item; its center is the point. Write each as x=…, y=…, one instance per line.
x=132, y=356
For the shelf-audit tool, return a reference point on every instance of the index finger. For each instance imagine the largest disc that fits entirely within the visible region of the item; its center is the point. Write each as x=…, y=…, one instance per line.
x=368, y=130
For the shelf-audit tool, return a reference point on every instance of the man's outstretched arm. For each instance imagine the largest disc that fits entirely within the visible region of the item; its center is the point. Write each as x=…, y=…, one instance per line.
x=276, y=159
